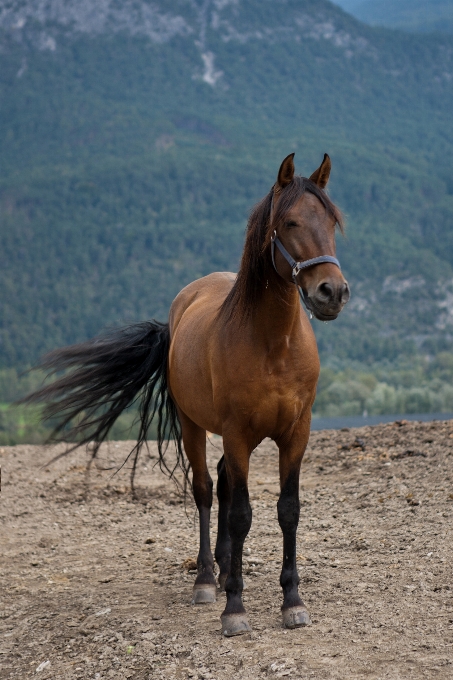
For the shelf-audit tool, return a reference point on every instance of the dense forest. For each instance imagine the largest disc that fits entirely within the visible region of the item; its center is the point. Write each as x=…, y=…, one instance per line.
x=134, y=144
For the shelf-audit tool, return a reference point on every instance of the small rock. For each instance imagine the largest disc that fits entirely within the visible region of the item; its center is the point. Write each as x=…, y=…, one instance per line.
x=42, y=666
x=102, y=612
x=412, y=501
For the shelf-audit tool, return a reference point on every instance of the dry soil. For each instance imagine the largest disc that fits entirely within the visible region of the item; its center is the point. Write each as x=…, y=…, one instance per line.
x=93, y=584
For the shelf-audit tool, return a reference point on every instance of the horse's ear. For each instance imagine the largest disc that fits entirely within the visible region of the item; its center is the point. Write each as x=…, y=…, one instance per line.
x=322, y=174
x=286, y=172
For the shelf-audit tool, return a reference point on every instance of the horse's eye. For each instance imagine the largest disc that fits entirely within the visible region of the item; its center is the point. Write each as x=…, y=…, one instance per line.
x=291, y=223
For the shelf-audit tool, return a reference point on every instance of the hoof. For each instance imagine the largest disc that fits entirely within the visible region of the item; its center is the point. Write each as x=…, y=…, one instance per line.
x=295, y=617
x=222, y=581
x=204, y=593
x=234, y=624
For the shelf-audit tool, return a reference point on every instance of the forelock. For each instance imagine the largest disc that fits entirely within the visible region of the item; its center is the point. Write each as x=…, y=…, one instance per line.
x=295, y=190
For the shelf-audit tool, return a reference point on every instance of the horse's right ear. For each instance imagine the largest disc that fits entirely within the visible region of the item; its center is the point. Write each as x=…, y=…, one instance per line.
x=286, y=172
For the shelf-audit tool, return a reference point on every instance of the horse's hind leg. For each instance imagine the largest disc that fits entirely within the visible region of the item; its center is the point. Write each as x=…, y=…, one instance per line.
x=223, y=544
x=288, y=507
x=234, y=618
x=194, y=438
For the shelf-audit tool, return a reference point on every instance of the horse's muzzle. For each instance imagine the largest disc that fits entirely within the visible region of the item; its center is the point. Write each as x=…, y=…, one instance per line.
x=328, y=300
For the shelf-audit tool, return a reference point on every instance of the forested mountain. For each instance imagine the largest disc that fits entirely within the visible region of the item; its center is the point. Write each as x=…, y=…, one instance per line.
x=419, y=16
x=135, y=137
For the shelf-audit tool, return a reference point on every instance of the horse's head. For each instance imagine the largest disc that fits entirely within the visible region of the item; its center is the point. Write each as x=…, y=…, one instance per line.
x=303, y=220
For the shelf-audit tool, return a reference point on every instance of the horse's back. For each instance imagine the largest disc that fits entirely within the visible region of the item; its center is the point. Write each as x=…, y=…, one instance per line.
x=206, y=294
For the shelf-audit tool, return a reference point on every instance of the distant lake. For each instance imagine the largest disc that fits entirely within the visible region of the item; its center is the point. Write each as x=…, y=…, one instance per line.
x=361, y=421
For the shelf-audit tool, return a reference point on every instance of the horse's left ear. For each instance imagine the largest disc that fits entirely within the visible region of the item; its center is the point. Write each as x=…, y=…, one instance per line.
x=322, y=174
x=286, y=172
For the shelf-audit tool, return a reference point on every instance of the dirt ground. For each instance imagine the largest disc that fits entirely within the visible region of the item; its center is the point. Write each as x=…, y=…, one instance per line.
x=93, y=587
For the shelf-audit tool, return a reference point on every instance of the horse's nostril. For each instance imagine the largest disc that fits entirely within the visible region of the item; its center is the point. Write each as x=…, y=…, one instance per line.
x=326, y=290
x=328, y=293
x=345, y=294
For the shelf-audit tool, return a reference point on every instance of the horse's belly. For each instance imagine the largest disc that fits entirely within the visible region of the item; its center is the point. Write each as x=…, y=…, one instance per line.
x=191, y=388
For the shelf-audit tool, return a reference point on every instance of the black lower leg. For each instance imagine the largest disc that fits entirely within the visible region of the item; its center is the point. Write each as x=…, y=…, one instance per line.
x=223, y=544
x=205, y=561
x=239, y=523
x=288, y=508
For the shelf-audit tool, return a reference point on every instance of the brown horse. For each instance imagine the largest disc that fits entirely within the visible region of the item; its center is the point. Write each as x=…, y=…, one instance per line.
x=238, y=358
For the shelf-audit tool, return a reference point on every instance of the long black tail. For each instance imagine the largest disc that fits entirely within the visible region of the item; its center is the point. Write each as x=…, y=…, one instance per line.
x=104, y=376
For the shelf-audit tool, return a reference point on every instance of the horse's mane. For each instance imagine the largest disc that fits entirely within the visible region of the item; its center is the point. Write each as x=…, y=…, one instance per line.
x=251, y=279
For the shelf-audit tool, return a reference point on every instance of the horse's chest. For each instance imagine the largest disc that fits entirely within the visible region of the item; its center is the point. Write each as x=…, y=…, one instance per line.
x=272, y=393
x=283, y=393
x=280, y=373
x=276, y=411
x=295, y=370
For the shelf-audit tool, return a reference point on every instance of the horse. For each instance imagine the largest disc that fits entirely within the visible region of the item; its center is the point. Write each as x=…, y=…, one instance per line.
x=238, y=358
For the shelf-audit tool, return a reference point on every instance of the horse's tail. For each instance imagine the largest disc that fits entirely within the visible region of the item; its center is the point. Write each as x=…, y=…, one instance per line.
x=103, y=377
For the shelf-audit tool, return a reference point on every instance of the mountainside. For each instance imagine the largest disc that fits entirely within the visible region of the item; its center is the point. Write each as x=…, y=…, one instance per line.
x=136, y=136
x=420, y=16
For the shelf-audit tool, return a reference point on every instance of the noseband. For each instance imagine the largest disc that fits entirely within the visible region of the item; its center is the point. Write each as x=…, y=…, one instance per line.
x=296, y=267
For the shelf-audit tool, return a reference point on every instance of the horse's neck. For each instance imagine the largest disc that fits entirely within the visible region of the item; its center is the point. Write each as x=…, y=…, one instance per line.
x=278, y=313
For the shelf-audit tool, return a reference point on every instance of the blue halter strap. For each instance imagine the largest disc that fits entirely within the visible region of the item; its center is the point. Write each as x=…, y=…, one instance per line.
x=296, y=267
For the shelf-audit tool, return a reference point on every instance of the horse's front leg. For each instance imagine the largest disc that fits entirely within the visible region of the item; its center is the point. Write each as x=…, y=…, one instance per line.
x=237, y=454
x=288, y=507
x=223, y=544
x=194, y=438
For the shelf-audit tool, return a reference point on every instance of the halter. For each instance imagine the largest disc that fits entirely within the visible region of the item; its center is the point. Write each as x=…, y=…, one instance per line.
x=296, y=267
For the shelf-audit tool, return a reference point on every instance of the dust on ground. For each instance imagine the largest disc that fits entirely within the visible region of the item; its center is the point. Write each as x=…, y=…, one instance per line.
x=93, y=587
